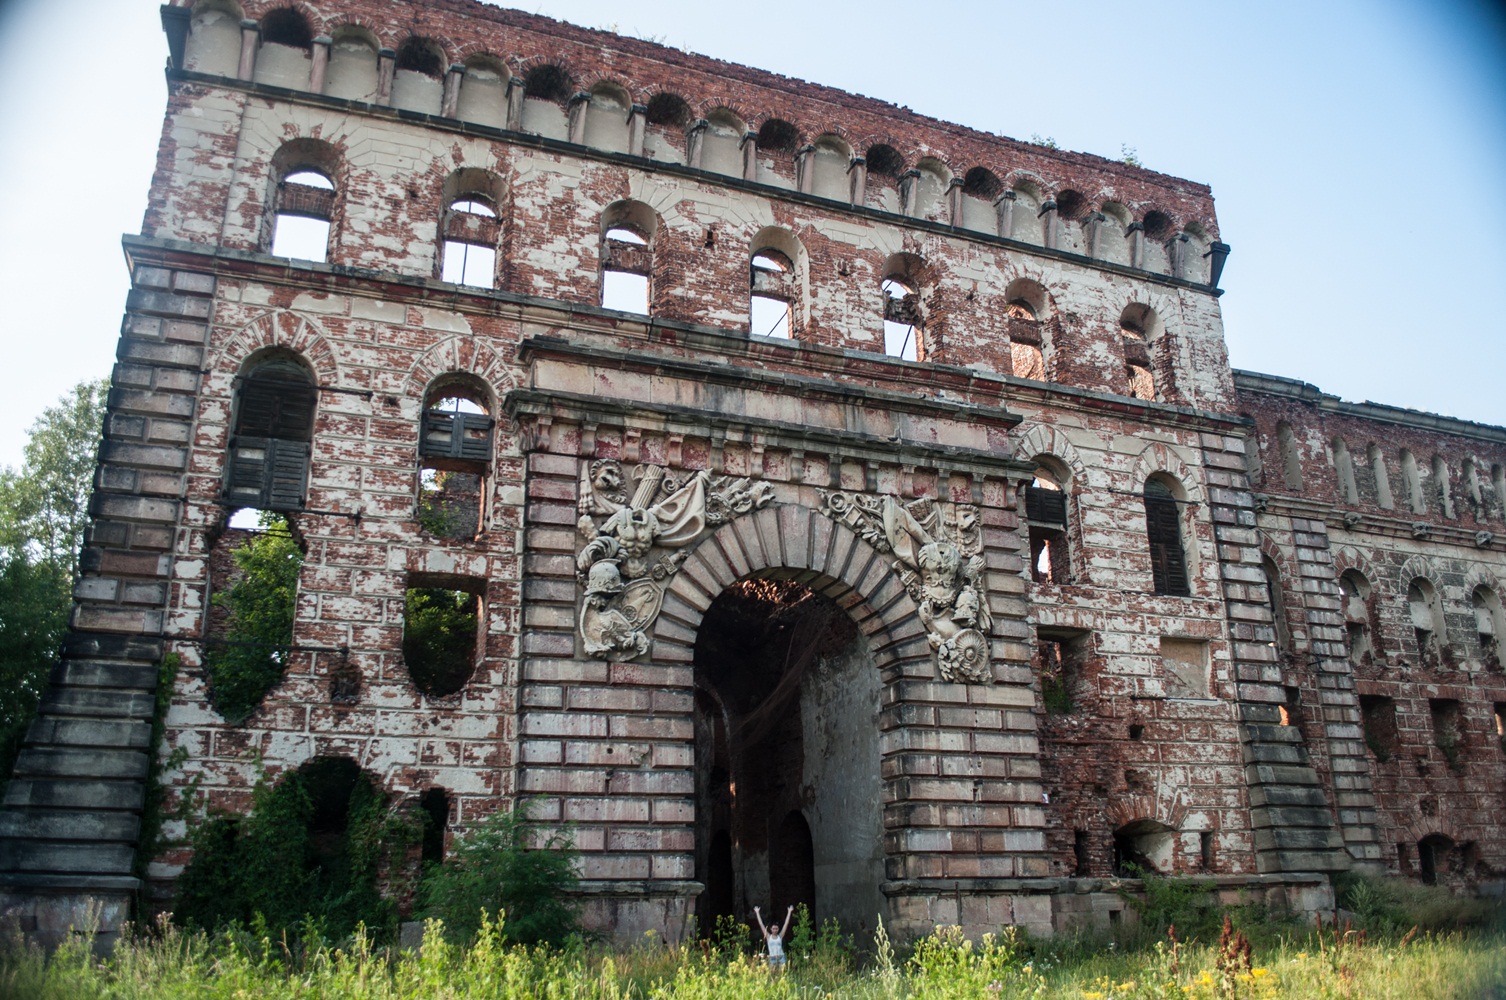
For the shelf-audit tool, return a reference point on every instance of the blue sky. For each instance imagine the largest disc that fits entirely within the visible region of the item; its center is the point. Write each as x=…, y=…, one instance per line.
x=1355, y=151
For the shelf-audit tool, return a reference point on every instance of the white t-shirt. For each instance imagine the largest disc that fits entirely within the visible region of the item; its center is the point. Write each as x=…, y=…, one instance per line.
x=776, y=946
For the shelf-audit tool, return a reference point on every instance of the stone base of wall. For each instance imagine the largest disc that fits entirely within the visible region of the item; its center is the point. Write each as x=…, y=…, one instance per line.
x=1044, y=907
x=625, y=911
x=47, y=919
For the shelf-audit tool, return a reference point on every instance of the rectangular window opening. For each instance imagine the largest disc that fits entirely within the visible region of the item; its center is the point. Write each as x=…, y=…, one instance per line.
x=1059, y=660
x=624, y=292
x=1447, y=735
x=769, y=317
x=1080, y=853
x=901, y=340
x=301, y=238
x=1205, y=849
x=1378, y=720
x=469, y=264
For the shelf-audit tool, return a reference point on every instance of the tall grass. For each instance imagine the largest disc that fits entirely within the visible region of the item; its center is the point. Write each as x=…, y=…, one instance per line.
x=168, y=962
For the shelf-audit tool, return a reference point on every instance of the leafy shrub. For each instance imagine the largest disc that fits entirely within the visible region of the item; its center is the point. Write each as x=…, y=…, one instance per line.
x=317, y=845
x=1393, y=905
x=492, y=870
x=260, y=602
x=1189, y=904
x=439, y=639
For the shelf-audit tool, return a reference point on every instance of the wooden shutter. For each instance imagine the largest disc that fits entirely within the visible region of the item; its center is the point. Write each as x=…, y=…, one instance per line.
x=466, y=436
x=275, y=406
x=267, y=473
x=1046, y=507
x=1163, y=525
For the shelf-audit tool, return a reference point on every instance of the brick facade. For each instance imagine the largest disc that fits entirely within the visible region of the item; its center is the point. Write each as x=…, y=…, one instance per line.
x=1104, y=718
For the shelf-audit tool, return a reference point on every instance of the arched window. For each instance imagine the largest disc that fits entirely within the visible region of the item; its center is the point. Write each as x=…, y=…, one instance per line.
x=1276, y=602
x=305, y=204
x=901, y=320
x=286, y=53
x=664, y=139
x=1046, y=522
x=1343, y=466
x=455, y=448
x=1381, y=475
x=627, y=257
x=606, y=124
x=1442, y=490
x=902, y=314
x=1474, y=495
x=1138, y=326
x=1291, y=462
x=470, y=229
x=214, y=38
x=721, y=143
x=1356, y=591
x=1489, y=622
x=1107, y=233
x=885, y=166
x=928, y=186
x=1412, y=481
x=1025, y=223
x=546, y=88
x=352, y=72
x=418, y=76
x=443, y=622
x=1427, y=618
x=829, y=162
x=771, y=277
x=1025, y=307
x=1163, y=527
x=980, y=188
x=483, y=92
x=269, y=443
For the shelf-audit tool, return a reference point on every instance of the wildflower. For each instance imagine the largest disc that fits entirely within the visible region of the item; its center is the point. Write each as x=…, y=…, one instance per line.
x=1257, y=973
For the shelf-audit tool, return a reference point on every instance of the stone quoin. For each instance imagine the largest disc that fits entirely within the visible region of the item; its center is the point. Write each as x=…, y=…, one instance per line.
x=857, y=509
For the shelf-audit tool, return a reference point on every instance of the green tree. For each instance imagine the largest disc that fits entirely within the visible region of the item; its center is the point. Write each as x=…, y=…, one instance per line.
x=43, y=512
x=492, y=870
x=261, y=601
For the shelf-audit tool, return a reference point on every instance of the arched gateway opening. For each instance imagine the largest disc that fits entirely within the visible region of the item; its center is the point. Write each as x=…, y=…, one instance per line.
x=788, y=792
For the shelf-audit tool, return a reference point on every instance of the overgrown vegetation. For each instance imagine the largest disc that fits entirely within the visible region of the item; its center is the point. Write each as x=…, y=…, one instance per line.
x=168, y=962
x=494, y=869
x=249, y=661
x=439, y=639
x=43, y=510
x=316, y=850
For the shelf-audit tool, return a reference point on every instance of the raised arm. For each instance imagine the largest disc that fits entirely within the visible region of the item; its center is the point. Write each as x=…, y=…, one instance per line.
x=787, y=915
x=759, y=917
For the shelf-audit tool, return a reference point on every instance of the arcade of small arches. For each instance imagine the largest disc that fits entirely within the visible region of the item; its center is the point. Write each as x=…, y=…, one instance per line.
x=305, y=208
x=294, y=48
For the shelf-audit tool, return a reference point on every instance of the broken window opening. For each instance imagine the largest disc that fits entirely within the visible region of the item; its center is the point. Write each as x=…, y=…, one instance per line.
x=1020, y=309
x=1059, y=660
x=1143, y=847
x=1356, y=591
x=301, y=224
x=771, y=279
x=470, y=242
x=627, y=263
x=253, y=588
x=1291, y=711
x=1142, y=384
x=1500, y=719
x=270, y=442
x=1080, y=854
x=1447, y=734
x=1205, y=849
x=455, y=449
x=1432, y=857
x=1046, y=522
x=1378, y=721
x=434, y=804
x=1488, y=625
x=440, y=637
x=901, y=317
x=1276, y=604
x=1163, y=523
x=1422, y=605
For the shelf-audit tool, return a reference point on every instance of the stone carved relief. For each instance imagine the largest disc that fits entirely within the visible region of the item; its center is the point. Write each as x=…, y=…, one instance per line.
x=633, y=542
x=938, y=556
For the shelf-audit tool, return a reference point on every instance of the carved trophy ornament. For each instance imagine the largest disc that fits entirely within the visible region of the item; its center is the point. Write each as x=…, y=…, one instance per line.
x=938, y=555
x=632, y=543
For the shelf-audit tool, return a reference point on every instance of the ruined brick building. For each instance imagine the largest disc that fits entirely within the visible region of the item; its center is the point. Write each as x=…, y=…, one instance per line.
x=854, y=507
